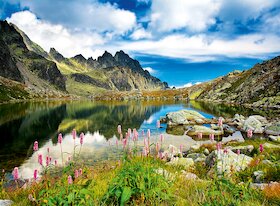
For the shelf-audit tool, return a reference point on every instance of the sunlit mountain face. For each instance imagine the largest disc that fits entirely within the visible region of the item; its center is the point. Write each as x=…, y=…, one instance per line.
x=181, y=42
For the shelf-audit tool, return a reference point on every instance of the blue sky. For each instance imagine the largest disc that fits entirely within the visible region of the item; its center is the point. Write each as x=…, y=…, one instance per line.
x=180, y=41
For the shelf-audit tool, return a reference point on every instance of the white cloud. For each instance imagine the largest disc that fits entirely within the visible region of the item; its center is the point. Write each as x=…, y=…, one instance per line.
x=49, y=35
x=187, y=85
x=199, y=48
x=194, y=15
x=140, y=33
x=150, y=70
x=84, y=14
x=244, y=10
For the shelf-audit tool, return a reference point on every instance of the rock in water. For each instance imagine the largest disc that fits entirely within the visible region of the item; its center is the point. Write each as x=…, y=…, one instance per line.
x=204, y=130
x=184, y=117
x=227, y=162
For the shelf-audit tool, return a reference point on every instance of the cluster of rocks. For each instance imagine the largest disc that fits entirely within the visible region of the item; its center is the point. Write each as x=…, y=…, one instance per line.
x=193, y=123
x=224, y=161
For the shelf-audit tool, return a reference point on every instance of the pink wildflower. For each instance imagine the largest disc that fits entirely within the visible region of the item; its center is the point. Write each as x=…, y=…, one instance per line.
x=160, y=155
x=80, y=171
x=35, y=174
x=250, y=133
x=74, y=133
x=219, y=146
x=82, y=138
x=261, y=148
x=15, y=173
x=129, y=132
x=35, y=147
x=157, y=147
x=220, y=122
x=40, y=159
x=199, y=135
x=76, y=173
x=47, y=160
x=238, y=152
x=59, y=139
x=70, y=180
x=124, y=142
x=211, y=137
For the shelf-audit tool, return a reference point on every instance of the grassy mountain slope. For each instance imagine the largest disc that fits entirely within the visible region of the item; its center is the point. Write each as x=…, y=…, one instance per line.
x=258, y=86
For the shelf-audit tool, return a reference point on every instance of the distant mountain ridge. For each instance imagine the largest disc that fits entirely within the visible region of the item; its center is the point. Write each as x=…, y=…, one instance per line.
x=39, y=71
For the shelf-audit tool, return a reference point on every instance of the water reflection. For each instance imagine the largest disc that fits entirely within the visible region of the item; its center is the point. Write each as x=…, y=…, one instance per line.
x=23, y=123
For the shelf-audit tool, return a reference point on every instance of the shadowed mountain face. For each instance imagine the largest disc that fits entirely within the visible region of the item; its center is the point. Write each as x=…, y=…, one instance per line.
x=23, y=65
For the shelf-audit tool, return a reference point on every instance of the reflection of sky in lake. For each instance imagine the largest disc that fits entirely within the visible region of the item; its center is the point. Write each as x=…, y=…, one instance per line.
x=21, y=124
x=96, y=146
x=150, y=123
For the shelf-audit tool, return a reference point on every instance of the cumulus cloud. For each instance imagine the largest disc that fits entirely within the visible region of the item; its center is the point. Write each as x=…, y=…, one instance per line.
x=194, y=15
x=84, y=14
x=50, y=35
x=150, y=70
x=140, y=33
x=199, y=48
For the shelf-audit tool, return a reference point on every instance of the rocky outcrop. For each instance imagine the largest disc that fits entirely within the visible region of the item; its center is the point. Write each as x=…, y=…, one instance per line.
x=184, y=117
x=24, y=65
x=228, y=161
x=258, y=86
x=56, y=55
x=8, y=68
x=83, y=78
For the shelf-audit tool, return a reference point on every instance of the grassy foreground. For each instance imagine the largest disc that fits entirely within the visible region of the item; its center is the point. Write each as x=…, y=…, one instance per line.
x=137, y=181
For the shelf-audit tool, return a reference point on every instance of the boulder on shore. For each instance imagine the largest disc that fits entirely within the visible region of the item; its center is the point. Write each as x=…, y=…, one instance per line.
x=273, y=129
x=227, y=162
x=255, y=123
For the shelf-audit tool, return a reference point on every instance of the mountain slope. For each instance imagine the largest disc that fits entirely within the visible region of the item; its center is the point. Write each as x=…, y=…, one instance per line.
x=258, y=86
x=23, y=65
x=118, y=73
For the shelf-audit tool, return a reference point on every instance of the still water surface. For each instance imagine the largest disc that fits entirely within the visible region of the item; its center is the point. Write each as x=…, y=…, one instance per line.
x=23, y=123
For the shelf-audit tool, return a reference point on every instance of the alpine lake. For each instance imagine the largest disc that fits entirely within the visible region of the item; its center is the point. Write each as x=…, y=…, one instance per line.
x=23, y=123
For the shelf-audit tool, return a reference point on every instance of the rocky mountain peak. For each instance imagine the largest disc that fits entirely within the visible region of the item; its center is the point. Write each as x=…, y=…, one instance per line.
x=56, y=55
x=80, y=58
x=107, y=60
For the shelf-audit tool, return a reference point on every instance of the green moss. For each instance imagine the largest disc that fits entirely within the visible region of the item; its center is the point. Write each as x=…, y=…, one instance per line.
x=9, y=93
